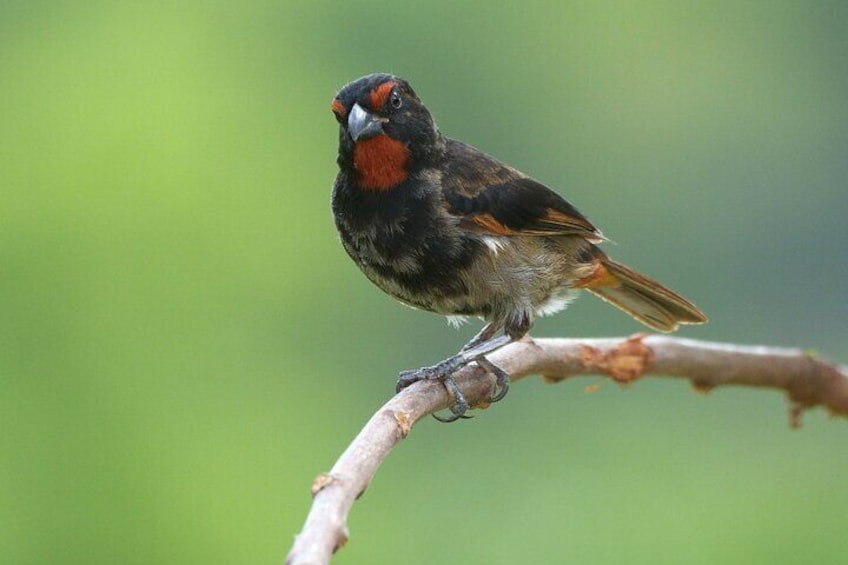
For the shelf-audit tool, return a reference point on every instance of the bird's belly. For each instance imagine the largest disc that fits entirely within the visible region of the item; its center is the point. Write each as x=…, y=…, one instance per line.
x=443, y=270
x=524, y=274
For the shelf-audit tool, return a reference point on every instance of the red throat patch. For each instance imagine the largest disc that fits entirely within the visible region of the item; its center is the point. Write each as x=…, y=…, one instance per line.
x=380, y=162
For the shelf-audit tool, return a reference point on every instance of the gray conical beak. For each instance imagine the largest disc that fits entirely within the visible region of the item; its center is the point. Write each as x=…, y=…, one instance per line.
x=362, y=125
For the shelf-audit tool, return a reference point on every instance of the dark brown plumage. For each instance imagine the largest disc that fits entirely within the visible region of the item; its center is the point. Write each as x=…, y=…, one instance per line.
x=441, y=226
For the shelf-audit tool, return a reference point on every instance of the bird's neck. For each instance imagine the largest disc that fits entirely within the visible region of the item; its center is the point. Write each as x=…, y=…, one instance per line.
x=382, y=164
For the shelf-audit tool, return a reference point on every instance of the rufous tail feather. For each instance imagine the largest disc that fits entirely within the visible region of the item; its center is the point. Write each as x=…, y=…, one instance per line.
x=653, y=304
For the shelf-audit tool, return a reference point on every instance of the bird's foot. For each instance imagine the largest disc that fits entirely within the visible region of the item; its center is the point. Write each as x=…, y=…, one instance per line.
x=435, y=373
x=443, y=372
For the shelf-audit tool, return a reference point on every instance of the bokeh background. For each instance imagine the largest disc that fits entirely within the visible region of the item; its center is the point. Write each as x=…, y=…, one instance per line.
x=184, y=344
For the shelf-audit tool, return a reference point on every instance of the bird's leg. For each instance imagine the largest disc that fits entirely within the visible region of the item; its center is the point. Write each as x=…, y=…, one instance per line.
x=452, y=364
x=443, y=372
x=487, y=333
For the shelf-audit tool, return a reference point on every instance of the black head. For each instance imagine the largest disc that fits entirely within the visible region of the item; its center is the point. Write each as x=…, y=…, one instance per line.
x=383, y=104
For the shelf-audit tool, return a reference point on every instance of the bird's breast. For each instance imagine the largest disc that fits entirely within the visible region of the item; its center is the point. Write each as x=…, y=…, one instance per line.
x=404, y=242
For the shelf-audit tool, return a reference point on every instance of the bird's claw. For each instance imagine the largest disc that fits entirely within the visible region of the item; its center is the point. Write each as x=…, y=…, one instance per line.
x=442, y=373
x=460, y=404
x=501, y=379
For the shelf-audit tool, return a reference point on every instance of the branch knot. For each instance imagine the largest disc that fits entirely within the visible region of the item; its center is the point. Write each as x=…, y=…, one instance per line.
x=625, y=362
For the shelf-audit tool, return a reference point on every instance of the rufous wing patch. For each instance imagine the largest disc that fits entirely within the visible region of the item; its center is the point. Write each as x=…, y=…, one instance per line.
x=557, y=218
x=553, y=222
x=490, y=224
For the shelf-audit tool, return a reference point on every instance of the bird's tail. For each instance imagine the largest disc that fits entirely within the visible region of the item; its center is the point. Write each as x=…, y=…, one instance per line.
x=640, y=296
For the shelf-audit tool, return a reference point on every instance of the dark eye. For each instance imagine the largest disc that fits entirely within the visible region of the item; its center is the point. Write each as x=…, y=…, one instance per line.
x=395, y=100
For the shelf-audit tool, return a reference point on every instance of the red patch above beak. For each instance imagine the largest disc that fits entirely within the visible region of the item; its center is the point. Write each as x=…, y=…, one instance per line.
x=338, y=109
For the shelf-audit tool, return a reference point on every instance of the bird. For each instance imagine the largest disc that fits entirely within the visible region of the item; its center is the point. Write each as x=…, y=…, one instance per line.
x=443, y=227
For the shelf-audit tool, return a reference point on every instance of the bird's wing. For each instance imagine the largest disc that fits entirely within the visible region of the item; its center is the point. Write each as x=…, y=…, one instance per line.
x=491, y=197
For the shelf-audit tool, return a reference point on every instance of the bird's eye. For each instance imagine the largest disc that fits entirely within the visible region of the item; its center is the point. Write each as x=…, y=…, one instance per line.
x=395, y=100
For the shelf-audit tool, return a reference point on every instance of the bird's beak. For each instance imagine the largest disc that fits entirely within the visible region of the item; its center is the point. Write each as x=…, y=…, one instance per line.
x=362, y=125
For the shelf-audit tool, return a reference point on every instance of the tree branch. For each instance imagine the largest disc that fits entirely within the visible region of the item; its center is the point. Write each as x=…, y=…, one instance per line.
x=807, y=381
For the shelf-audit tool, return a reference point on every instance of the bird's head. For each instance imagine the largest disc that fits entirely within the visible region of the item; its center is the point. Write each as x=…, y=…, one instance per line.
x=385, y=132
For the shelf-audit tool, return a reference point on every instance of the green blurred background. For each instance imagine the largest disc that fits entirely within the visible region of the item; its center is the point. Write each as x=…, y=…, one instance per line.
x=185, y=344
